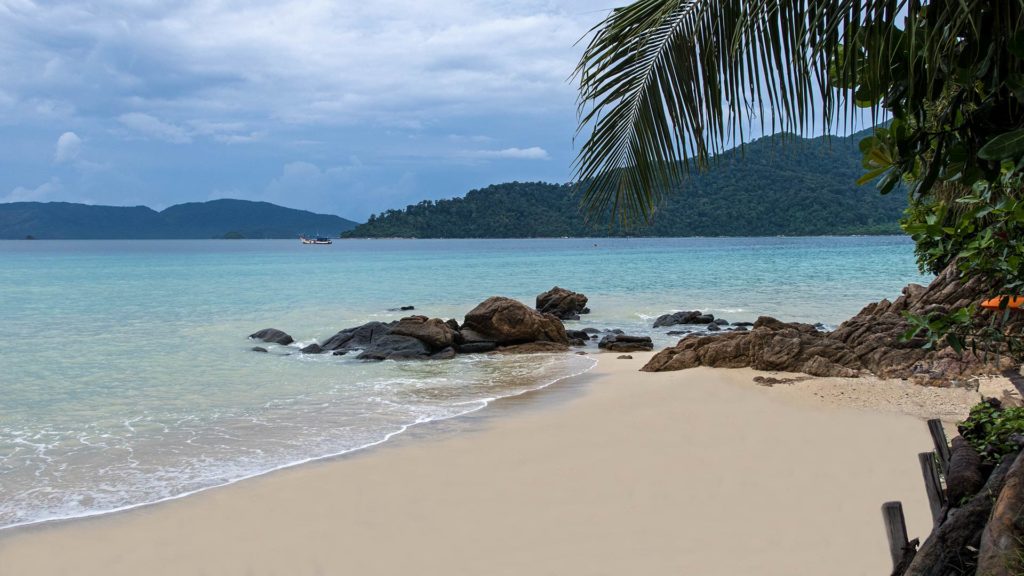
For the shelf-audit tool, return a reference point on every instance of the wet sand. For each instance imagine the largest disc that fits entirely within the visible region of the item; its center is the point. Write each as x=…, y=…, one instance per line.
x=616, y=472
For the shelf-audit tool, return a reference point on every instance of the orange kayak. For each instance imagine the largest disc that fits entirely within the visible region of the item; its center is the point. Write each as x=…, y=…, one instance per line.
x=1015, y=303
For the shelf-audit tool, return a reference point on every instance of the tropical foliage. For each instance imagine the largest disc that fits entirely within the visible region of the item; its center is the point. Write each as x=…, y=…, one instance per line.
x=662, y=81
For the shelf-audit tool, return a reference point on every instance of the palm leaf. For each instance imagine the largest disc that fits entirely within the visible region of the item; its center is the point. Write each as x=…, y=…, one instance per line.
x=665, y=85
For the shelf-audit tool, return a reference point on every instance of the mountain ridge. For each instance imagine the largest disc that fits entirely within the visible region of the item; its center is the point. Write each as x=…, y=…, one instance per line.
x=190, y=220
x=776, y=185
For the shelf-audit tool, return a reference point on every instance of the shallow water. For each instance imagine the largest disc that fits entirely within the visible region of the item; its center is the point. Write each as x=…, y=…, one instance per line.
x=126, y=377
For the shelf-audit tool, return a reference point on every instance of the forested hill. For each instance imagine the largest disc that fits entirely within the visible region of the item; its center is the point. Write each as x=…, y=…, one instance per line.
x=214, y=219
x=796, y=187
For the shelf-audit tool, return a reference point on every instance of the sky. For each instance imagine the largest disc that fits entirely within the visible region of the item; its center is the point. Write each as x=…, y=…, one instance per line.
x=347, y=108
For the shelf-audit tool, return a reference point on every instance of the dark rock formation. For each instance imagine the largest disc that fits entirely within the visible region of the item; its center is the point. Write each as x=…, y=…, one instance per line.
x=713, y=328
x=396, y=347
x=562, y=303
x=506, y=322
x=402, y=309
x=687, y=317
x=624, y=343
x=537, y=347
x=721, y=322
x=313, y=348
x=624, y=357
x=868, y=342
x=1002, y=541
x=475, y=347
x=272, y=335
x=357, y=338
x=258, y=349
x=964, y=477
x=590, y=330
x=948, y=549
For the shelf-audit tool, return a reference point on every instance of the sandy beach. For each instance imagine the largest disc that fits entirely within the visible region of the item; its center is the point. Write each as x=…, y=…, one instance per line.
x=616, y=472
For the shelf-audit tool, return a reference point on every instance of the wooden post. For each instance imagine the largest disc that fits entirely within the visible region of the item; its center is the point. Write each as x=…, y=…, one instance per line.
x=940, y=442
x=896, y=532
x=932, y=485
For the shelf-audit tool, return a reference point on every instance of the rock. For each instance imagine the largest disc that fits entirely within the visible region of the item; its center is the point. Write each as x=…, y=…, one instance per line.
x=945, y=551
x=1002, y=541
x=453, y=324
x=476, y=347
x=624, y=343
x=721, y=322
x=396, y=347
x=745, y=324
x=688, y=317
x=339, y=352
x=590, y=330
x=506, y=321
x=678, y=332
x=446, y=354
x=357, y=338
x=272, y=335
x=434, y=332
x=402, y=309
x=964, y=476
x=313, y=348
x=577, y=334
x=258, y=349
x=562, y=303
x=624, y=357
x=713, y=328
x=538, y=347
x=772, y=346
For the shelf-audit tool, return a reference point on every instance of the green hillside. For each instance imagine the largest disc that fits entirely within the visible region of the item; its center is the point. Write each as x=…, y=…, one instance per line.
x=796, y=187
x=214, y=219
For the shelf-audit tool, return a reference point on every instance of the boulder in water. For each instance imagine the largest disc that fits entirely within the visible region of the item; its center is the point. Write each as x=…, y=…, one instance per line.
x=562, y=303
x=272, y=335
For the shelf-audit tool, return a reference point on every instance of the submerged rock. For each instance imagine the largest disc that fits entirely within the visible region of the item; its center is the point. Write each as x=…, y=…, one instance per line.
x=685, y=317
x=272, y=335
x=396, y=347
x=258, y=349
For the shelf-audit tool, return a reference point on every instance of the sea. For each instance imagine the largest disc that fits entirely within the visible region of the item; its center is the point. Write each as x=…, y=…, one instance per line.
x=127, y=378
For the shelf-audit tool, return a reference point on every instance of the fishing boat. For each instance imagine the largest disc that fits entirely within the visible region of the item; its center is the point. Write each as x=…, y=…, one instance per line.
x=316, y=240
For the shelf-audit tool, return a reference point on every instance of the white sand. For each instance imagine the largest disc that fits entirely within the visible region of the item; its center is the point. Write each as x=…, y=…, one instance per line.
x=618, y=472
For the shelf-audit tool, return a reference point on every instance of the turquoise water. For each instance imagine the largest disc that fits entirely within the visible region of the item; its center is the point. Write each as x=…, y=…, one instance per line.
x=126, y=375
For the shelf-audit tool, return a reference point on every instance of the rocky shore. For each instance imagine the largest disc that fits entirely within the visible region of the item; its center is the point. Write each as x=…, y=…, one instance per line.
x=869, y=343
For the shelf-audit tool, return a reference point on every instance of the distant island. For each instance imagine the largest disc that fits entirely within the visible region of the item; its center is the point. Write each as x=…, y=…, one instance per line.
x=797, y=187
x=231, y=219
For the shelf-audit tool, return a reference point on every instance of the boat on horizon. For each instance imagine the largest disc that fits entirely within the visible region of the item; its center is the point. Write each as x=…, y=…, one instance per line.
x=316, y=240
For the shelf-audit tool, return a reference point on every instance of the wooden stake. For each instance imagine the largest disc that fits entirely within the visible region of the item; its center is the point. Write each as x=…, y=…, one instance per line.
x=932, y=485
x=896, y=532
x=940, y=442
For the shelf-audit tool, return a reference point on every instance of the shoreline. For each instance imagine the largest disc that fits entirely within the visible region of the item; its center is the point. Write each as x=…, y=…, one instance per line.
x=575, y=410
x=408, y=429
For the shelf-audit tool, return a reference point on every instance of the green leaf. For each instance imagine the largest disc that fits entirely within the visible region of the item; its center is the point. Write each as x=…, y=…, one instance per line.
x=1008, y=145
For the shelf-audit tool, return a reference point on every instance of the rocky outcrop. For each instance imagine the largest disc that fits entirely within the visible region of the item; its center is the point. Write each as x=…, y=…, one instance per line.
x=870, y=342
x=685, y=317
x=506, y=322
x=625, y=343
x=771, y=345
x=434, y=332
x=563, y=304
x=357, y=338
x=272, y=335
x=496, y=325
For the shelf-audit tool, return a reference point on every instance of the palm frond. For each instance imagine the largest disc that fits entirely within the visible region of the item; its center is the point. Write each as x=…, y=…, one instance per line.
x=665, y=85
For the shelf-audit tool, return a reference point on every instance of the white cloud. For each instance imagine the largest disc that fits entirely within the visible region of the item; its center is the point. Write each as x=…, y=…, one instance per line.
x=153, y=127
x=531, y=153
x=37, y=194
x=69, y=145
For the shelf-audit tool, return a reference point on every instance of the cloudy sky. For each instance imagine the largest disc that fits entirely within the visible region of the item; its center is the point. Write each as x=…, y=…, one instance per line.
x=340, y=107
